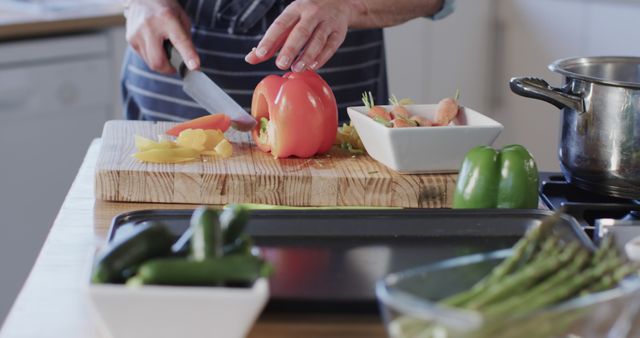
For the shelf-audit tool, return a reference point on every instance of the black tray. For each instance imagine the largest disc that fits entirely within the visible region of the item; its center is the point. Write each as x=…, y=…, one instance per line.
x=331, y=259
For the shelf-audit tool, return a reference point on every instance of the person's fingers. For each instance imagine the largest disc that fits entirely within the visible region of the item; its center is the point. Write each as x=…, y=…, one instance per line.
x=181, y=40
x=334, y=41
x=141, y=52
x=296, y=41
x=136, y=48
x=314, y=47
x=277, y=33
x=156, y=57
x=253, y=57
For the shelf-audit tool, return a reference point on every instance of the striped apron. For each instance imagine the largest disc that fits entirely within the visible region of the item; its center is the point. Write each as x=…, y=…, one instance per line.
x=224, y=31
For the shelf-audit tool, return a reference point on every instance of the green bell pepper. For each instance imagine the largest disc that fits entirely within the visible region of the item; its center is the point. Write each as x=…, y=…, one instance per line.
x=490, y=178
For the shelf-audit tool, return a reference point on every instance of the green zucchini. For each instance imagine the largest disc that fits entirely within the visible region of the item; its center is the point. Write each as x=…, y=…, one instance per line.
x=233, y=220
x=207, y=239
x=209, y=272
x=121, y=258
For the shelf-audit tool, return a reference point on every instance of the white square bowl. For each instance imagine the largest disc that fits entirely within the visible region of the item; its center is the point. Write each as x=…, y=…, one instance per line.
x=177, y=311
x=424, y=149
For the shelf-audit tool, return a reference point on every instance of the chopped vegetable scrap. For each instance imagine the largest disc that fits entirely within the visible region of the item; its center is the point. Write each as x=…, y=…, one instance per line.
x=348, y=139
x=188, y=146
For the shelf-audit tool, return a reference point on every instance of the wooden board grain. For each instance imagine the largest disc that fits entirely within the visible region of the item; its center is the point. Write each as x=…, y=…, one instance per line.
x=252, y=176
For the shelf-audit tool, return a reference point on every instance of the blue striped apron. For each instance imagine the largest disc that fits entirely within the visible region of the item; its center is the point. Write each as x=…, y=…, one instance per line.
x=224, y=31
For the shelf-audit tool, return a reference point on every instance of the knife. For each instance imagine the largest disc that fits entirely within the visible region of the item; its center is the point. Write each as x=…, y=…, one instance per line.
x=206, y=93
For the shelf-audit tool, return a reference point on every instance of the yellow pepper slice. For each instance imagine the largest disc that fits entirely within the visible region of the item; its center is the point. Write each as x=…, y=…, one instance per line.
x=192, y=138
x=213, y=138
x=224, y=149
x=173, y=155
x=144, y=144
x=190, y=144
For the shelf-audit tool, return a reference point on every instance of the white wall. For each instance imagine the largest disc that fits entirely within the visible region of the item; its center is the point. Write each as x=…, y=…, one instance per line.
x=531, y=34
x=429, y=60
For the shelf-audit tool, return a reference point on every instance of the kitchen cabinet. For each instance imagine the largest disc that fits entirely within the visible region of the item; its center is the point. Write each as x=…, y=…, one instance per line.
x=55, y=95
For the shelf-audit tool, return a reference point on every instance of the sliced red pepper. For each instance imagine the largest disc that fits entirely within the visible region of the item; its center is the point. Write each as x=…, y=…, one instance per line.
x=216, y=121
x=301, y=115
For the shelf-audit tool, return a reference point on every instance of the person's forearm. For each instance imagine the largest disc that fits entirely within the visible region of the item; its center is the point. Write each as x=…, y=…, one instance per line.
x=385, y=13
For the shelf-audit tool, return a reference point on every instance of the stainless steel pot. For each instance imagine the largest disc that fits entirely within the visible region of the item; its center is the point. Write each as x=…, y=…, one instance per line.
x=600, y=100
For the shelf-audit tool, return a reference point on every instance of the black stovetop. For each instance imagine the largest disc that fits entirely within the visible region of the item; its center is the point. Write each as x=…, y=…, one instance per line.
x=586, y=206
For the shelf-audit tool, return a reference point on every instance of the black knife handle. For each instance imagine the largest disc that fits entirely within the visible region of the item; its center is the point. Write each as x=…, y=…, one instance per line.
x=175, y=59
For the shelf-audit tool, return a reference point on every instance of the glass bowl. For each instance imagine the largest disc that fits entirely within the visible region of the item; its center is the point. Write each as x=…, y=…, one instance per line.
x=408, y=302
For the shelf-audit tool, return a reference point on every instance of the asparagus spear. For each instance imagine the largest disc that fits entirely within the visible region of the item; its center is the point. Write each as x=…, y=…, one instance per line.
x=549, y=248
x=541, y=297
x=570, y=288
x=524, y=278
x=612, y=279
x=548, y=327
x=536, y=257
x=524, y=248
x=606, y=246
x=521, y=252
x=556, y=280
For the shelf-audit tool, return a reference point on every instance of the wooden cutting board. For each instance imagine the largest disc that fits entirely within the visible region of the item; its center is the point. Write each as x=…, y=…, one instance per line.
x=252, y=176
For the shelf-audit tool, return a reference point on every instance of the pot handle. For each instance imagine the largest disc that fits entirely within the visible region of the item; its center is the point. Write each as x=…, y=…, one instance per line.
x=539, y=89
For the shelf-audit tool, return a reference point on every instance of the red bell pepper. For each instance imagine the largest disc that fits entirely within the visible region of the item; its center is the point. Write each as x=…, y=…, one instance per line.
x=298, y=115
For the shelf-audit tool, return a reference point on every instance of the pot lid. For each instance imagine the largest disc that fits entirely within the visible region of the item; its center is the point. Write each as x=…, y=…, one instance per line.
x=621, y=71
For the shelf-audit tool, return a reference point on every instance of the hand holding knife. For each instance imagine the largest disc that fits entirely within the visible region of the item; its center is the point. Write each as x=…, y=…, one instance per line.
x=205, y=92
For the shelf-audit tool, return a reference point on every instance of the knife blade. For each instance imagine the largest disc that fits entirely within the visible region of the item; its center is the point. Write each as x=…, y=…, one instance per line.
x=206, y=93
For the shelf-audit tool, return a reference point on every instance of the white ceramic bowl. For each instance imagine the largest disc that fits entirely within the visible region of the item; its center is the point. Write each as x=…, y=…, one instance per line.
x=424, y=149
x=177, y=311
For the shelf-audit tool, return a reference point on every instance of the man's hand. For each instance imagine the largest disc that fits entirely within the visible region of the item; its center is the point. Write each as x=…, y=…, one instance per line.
x=150, y=22
x=307, y=34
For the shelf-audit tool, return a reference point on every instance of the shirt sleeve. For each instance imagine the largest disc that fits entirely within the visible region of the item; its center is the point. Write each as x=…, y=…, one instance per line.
x=448, y=7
